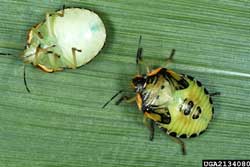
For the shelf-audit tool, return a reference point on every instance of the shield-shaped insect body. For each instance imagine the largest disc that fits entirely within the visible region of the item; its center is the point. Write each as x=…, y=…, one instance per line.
x=177, y=103
x=68, y=38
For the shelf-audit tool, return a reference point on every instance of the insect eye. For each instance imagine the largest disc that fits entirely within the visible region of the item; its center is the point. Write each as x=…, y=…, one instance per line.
x=139, y=81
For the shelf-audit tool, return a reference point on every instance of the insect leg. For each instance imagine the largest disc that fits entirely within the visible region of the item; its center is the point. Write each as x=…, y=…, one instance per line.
x=48, y=20
x=44, y=68
x=126, y=99
x=139, y=60
x=36, y=55
x=74, y=56
x=37, y=33
x=56, y=57
x=62, y=14
x=149, y=123
x=179, y=141
x=215, y=94
x=170, y=58
x=48, y=24
x=41, y=50
x=57, y=13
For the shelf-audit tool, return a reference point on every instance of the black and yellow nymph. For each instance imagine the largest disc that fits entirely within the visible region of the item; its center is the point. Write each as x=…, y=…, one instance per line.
x=177, y=103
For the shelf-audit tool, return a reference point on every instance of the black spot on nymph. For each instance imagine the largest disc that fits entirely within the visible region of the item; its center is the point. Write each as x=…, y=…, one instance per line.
x=210, y=100
x=205, y=90
x=213, y=110
x=189, y=108
x=172, y=134
x=183, y=83
x=187, y=111
x=201, y=132
x=165, y=118
x=199, y=109
x=195, y=116
x=199, y=83
x=193, y=135
x=191, y=104
x=190, y=77
x=183, y=136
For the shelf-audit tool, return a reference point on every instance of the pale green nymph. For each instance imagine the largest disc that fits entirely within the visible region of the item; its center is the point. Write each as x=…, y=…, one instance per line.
x=68, y=38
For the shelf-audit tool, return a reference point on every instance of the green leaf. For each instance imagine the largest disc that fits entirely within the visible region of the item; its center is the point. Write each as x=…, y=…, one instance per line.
x=61, y=122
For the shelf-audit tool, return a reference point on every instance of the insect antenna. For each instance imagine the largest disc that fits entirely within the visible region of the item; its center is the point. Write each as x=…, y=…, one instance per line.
x=24, y=73
x=5, y=54
x=112, y=98
x=24, y=78
x=172, y=54
x=139, y=55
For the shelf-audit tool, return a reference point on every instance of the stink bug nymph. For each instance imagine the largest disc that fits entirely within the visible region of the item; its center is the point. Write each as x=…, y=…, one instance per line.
x=68, y=38
x=177, y=103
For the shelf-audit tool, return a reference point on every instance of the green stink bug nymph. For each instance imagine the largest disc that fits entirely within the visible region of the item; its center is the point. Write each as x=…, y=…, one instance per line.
x=177, y=103
x=68, y=38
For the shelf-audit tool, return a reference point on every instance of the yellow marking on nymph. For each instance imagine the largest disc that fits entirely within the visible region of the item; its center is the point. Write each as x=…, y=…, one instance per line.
x=155, y=117
x=174, y=74
x=154, y=72
x=139, y=101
